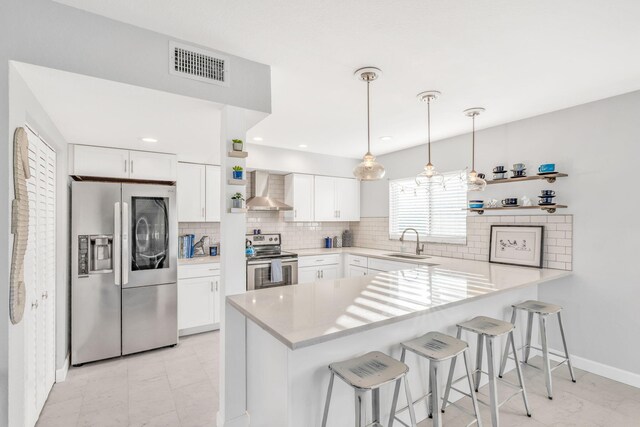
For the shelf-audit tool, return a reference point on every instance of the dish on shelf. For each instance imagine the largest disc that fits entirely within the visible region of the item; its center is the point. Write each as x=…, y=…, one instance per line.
x=546, y=173
x=546, y=204
x=511, y=206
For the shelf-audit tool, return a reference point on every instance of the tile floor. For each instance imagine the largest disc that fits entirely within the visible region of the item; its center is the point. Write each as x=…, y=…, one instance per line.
x=178, y=387
x=172, y=387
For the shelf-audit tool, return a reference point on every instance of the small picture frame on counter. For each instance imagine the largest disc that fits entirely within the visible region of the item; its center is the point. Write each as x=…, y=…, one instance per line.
x=516, y=245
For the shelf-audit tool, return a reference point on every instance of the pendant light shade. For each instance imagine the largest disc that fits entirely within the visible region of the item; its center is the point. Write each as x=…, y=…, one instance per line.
x=474, y=182
x=429, y=177
x=369, y=169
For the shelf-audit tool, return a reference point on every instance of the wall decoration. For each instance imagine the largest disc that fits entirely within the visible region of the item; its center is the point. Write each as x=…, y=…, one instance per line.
x=19, y=224
x=516, y=245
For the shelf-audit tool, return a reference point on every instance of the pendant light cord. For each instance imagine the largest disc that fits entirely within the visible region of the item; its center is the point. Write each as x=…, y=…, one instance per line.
x=429, y=126
x=368, y=120
x=473, y=143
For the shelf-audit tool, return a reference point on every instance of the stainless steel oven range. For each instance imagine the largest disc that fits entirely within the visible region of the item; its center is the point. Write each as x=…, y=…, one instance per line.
x=270, y=266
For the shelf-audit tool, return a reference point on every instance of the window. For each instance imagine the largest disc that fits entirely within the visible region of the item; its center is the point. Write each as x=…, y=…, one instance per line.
x=439, y=216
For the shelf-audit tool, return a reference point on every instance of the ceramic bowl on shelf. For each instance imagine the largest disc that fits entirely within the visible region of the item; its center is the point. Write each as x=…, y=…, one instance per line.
x=476, y=204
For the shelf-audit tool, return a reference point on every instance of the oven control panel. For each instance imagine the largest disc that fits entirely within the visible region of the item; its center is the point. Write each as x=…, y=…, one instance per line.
x=264, y=239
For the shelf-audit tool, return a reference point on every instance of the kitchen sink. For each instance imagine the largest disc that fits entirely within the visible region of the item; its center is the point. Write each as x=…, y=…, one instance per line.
x=408, y=256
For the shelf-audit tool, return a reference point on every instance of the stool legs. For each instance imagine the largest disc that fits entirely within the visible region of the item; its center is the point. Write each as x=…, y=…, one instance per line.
x=505, y=356
x=326, y=404
x=527, y=348
x=493, y=387
x=412, y=414
x=519, y=372
x=396, y=393
x=375, y=404
x=479, y=361
x=360, y=408
x=566, y=351
x=435, y=393
x=545, y=354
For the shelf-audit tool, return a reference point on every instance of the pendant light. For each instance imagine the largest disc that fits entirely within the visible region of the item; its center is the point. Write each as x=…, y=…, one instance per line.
x=430, y=177
x=369, y=169
x=474, y=182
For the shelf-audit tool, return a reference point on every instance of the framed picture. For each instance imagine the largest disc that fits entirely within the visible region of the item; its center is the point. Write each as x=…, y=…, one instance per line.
x=516, y=245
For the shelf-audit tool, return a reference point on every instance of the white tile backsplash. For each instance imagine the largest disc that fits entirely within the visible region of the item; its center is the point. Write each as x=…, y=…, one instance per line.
x=558, y=238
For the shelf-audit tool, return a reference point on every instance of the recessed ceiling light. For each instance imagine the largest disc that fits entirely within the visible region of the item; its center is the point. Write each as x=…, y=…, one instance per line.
x=257, y=138
x=302, y=145
x=386, y=138
x=148, y=139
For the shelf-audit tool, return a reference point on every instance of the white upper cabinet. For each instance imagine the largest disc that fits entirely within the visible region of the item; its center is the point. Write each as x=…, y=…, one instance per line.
x=298, y=193
x=152, y=166
x=191, y=188
x=198, y=193
x=212, y=197
x=347, y=199
x=104, y=162
x=336, y=199
x=100, y=162
x=325, y=199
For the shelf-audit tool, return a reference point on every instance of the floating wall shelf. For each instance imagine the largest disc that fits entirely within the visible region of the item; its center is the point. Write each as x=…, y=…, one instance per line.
x=239, y=154
x=548, y=208
x=238, y=210
x=549, y=177
x=237, y=181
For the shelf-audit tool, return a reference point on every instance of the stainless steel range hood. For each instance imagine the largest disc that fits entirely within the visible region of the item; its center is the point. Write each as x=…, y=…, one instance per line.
x=261, y=201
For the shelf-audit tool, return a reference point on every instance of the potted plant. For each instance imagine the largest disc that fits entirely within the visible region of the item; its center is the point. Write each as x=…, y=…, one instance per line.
x=237, y=172
x=237, y=144
x=237, y=200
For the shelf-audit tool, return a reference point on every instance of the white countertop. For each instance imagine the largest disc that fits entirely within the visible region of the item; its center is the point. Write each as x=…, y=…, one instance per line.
x=311, y=313
x=199, y=260
x=374, y=253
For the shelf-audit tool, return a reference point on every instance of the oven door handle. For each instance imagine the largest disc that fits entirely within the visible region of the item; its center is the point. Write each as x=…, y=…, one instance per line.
x=258, y=263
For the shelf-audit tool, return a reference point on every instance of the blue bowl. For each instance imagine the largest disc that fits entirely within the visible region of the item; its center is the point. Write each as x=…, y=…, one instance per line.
x=476, y=205
x=547, y=167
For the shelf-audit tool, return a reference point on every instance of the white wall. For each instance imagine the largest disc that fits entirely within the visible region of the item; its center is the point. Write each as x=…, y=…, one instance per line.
x=284, y=160
x=24, y=108
x=598, y=145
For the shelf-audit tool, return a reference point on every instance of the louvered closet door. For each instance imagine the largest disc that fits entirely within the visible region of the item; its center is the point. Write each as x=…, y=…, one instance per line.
x=40, y=271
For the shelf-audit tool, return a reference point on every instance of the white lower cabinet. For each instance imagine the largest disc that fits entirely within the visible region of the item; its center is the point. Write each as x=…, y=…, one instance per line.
x=313, y=268
x=355, y=271
x=198, y=298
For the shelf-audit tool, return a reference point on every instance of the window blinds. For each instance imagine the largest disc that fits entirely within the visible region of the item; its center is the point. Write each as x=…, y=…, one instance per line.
x=439, y=216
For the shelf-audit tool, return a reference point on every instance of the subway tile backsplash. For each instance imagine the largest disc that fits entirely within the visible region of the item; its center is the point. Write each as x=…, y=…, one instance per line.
x=558, y=238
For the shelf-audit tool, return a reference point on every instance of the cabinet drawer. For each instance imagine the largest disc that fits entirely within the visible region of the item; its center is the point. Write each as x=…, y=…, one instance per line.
x=385, y=265
x=198, y=270
x=357, y=260
x=309, y=261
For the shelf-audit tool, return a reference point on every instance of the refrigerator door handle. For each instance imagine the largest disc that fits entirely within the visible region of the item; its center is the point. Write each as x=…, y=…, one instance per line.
x=117, y=243
x=125, y=243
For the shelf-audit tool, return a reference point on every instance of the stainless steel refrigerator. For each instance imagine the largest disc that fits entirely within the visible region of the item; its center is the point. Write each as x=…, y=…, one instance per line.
x=123, y=269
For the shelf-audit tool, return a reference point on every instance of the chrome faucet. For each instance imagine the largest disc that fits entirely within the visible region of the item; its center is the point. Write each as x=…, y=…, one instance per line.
x=419, y=248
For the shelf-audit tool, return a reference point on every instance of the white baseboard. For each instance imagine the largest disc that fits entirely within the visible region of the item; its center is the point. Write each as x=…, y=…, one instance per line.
x=241, y=421
x=597, y=368
x=61, y=374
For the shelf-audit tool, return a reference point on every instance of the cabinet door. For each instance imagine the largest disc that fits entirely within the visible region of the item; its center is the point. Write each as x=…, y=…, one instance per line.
x=153, y=166
x=308, y=274
x=191, y=192
x=354, y=271
x=298, y=193
x=329, y=272
x=212, y=198
x=196, y=302
x=100, y=162
x=324, y=199
x=347, y=199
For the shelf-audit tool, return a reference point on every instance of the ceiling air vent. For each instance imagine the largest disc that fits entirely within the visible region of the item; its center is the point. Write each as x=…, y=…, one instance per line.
x=198, y=64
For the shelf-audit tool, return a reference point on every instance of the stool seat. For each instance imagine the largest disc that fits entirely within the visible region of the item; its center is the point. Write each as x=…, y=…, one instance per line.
x=370, y=370
x=436, y=346
x=487, y=326
x=538, y=307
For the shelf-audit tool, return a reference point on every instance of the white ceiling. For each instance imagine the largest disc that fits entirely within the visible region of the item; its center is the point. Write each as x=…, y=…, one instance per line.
x=92, y=111
x=517, y=58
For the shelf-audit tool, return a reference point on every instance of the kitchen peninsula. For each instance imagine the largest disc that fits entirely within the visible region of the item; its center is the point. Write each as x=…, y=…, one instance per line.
x=294, y=332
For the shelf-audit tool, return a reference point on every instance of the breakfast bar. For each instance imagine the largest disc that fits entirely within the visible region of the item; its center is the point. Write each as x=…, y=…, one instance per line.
x=294, y=332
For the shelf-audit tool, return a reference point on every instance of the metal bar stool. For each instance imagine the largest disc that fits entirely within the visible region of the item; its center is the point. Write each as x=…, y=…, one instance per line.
x=437, y=348
x=368, y=373
x=488, y=329
x=543, y=310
